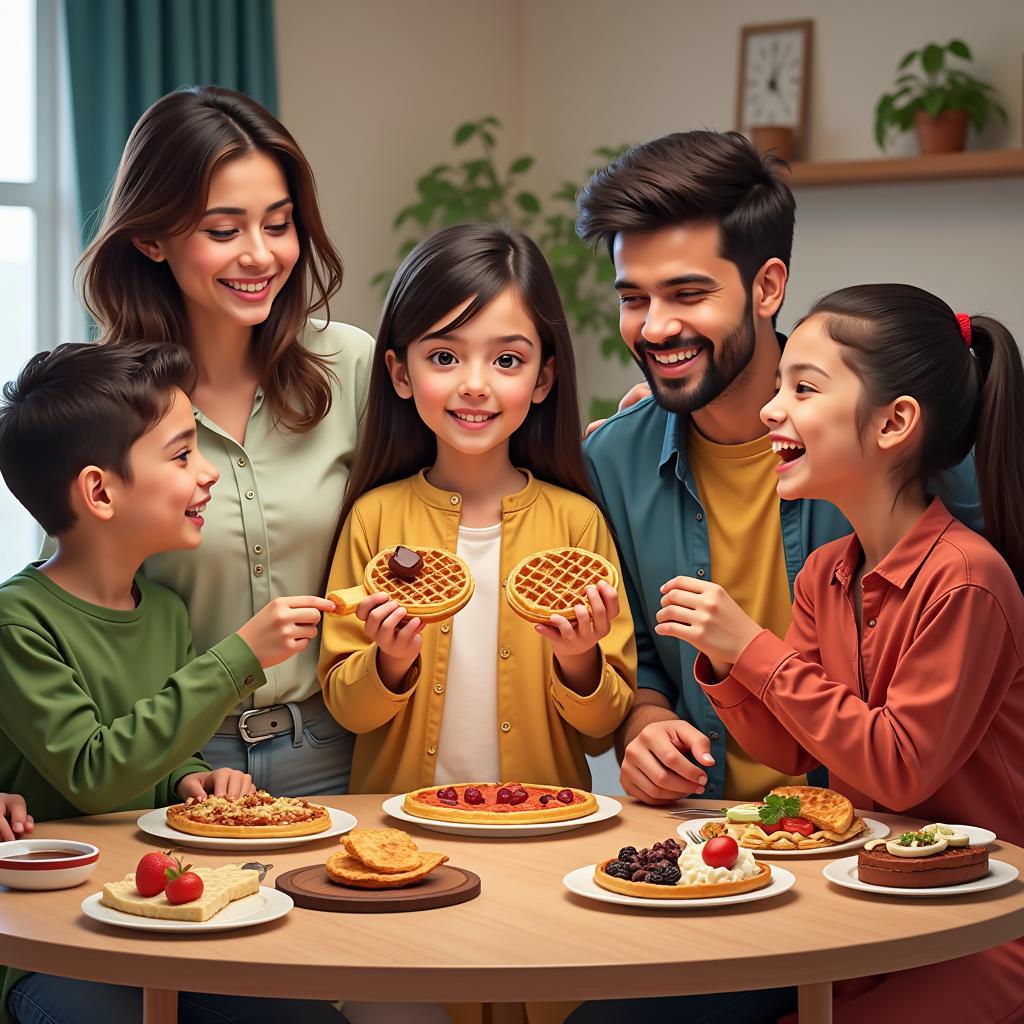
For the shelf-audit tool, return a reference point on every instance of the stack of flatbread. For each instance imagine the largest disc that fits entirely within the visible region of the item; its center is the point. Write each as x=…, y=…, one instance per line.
x=380, y=858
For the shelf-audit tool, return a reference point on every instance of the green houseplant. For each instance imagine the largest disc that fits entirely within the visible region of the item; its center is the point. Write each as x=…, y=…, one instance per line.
x=937, y=101
x=475, y=188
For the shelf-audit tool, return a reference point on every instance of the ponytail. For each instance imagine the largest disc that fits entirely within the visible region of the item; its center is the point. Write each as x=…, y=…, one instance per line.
x=999, y=445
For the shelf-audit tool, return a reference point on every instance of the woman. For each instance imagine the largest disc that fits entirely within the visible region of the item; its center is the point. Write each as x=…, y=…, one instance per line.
x=212, y=239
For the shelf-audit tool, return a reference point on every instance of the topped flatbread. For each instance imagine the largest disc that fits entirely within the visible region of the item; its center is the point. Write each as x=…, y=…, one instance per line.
x=494, y=803
x=256, y=816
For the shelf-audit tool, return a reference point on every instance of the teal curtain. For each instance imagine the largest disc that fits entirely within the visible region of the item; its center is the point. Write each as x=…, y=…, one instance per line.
x=125, y=54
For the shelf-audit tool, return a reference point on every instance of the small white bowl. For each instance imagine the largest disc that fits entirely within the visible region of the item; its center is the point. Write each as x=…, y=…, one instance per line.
x=23, y=864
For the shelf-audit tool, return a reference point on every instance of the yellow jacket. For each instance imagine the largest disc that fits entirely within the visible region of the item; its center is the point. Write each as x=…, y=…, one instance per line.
x=541, y=722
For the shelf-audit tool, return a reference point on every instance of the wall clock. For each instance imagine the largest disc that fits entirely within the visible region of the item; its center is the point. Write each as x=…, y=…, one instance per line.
x=774, y=77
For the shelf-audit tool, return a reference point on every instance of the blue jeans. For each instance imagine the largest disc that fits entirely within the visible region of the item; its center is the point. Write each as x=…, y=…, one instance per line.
x=320, y=766
x=763, y=1007
x=46, y=999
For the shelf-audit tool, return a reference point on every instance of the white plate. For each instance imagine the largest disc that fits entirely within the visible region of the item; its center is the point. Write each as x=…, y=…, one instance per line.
x=606, y=808
x=872, y=830
x=266, y=905
x=978, y=836
x=154, y=823
x=581, y=881
x=844, y=872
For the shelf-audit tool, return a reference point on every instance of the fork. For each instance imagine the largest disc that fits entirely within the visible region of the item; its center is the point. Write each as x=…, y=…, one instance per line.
x=696, y=812
x=695, y=837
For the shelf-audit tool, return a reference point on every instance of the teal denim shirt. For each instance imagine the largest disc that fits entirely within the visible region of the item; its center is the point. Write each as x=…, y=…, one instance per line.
x=642, y=479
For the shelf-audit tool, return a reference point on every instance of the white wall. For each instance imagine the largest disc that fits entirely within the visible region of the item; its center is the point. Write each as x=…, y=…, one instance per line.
x=373, y=89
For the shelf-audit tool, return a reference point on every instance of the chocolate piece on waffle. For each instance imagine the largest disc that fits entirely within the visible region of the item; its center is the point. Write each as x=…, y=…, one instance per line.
x=554, y=581
x=405, y=563
x=442, y=588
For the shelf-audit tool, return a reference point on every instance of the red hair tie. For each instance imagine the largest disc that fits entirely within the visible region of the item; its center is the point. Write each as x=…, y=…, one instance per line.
x=964, y=320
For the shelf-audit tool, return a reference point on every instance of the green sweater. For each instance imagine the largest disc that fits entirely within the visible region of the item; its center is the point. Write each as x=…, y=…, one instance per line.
x=103, y=710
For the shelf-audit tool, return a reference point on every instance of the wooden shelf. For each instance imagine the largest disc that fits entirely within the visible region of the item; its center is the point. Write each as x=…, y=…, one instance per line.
x=992, y=163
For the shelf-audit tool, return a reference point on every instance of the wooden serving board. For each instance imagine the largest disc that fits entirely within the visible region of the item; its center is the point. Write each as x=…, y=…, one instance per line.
x=445, y=886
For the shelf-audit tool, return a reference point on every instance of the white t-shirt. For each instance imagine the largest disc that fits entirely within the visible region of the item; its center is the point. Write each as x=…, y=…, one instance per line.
x=467, y=750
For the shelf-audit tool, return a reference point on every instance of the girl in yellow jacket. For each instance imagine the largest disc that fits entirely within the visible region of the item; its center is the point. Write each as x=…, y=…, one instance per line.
x=471, y=444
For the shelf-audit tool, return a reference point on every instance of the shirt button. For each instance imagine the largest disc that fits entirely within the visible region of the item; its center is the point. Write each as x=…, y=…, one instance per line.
x=250, y=495
x=506, y=726
x=700, y=572
x=431, y=750
x=438, y=687
x=712, y=735
x=446, y=627
x=257, y=570
x=454, y=499
x=504, y=652
x=257, y=549
x=700, y=517
x=871, y=622
x=241, y=462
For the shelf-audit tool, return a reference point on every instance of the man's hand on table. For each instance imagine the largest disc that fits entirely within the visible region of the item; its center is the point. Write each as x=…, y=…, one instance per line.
x=15, y=821
x=655, y=769
x=227, y=782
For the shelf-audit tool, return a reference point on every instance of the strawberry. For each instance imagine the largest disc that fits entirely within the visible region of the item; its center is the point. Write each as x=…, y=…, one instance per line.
x=183, y=884
x=151, y=873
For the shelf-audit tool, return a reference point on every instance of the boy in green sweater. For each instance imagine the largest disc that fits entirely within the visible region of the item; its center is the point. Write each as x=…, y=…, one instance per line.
x=105, y=701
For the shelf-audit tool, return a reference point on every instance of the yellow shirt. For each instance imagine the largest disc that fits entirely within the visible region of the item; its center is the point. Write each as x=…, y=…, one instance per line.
x=541, y=723
x=736, y=484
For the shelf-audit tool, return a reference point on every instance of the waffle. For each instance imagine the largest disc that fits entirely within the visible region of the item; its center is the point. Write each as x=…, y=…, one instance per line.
x=829, y=810
x=443, y=587
x=554, y=581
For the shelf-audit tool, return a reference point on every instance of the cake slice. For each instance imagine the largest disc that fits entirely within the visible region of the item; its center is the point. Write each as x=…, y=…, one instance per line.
x=221, y=886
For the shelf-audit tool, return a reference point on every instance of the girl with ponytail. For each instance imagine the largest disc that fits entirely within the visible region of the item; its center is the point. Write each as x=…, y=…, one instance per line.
x=903, y=670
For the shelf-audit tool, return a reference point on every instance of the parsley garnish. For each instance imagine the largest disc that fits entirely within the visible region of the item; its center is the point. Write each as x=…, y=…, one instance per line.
x=778, y=807
x=917, y=839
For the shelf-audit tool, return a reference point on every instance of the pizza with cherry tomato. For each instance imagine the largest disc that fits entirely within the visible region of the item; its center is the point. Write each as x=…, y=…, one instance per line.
x=500, y=803
x=256, y=816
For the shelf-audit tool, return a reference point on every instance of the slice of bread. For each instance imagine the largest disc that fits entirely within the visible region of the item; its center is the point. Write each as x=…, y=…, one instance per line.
x=825, y=807
x=220, y=887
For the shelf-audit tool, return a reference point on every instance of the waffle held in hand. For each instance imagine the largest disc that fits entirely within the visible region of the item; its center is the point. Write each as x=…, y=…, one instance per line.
x=555, y=581
x=442, y=587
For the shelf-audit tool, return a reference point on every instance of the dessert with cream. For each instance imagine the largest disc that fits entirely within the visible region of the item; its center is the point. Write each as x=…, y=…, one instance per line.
x=938, y=855
x=672, y=871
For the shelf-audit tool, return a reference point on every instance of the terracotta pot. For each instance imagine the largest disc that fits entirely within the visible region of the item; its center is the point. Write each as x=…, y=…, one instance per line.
x=774, y=138
x=946, y=133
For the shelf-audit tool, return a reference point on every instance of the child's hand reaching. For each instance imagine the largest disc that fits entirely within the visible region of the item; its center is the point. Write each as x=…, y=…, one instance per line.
x=229, y=782
x=398, y=643
x=573, y=644
x=284, y=627
x=703, y=614
x=15, y=821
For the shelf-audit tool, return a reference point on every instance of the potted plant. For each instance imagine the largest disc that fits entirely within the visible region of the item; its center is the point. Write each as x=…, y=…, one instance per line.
x=937, y=103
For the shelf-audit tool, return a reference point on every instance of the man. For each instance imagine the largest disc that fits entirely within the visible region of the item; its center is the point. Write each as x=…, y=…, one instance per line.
x=699, y=228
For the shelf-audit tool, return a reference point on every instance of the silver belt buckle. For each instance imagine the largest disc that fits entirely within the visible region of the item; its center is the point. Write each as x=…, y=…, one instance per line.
x=243, y=731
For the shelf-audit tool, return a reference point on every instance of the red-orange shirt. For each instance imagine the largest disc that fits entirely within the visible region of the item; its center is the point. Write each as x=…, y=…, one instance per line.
x=924, y=712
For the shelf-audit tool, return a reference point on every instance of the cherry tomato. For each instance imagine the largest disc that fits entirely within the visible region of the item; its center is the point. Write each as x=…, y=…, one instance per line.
x=801, y=825
x=721, y=852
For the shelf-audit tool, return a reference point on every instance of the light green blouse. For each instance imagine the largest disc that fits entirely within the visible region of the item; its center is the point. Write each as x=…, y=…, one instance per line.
x=273, y=514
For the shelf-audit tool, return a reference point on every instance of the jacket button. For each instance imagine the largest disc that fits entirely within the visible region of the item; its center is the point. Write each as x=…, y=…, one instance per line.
x=257, y=570
x=250, y=495
x=871, y=622
x=454, y=499
x=257, y=549
x=446, y=627
x=700, y=517
x=505, y=652
x=712, y=735
x=438, y=687
x=249, y=680
x=506, y=726
x=700, y=572
x=241, y=462
x=431, y=750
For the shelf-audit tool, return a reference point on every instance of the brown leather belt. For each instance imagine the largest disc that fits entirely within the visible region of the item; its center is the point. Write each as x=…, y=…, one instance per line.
x=258, y=724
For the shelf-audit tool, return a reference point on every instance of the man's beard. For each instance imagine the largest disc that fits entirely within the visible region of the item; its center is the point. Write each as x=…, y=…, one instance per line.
x=684, y=396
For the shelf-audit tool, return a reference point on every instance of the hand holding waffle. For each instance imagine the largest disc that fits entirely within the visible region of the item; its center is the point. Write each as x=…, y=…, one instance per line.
x=590, y=625
x=703, y=614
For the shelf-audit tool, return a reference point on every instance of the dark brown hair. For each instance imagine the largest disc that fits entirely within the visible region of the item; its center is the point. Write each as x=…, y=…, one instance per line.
x=81, y=405
x=690, y=177
x=478, y=262
x=161, y=190
x=902, y=340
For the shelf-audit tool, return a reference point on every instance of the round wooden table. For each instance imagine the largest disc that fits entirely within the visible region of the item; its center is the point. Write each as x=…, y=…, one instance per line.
x=525, y=938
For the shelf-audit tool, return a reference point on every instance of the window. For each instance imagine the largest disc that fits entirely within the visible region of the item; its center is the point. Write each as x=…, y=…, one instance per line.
x=38, y=218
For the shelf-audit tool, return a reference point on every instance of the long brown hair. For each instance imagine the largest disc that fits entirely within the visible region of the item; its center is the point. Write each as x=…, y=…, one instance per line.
x=478, y=262
x=902, y=340
x=160, y=190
